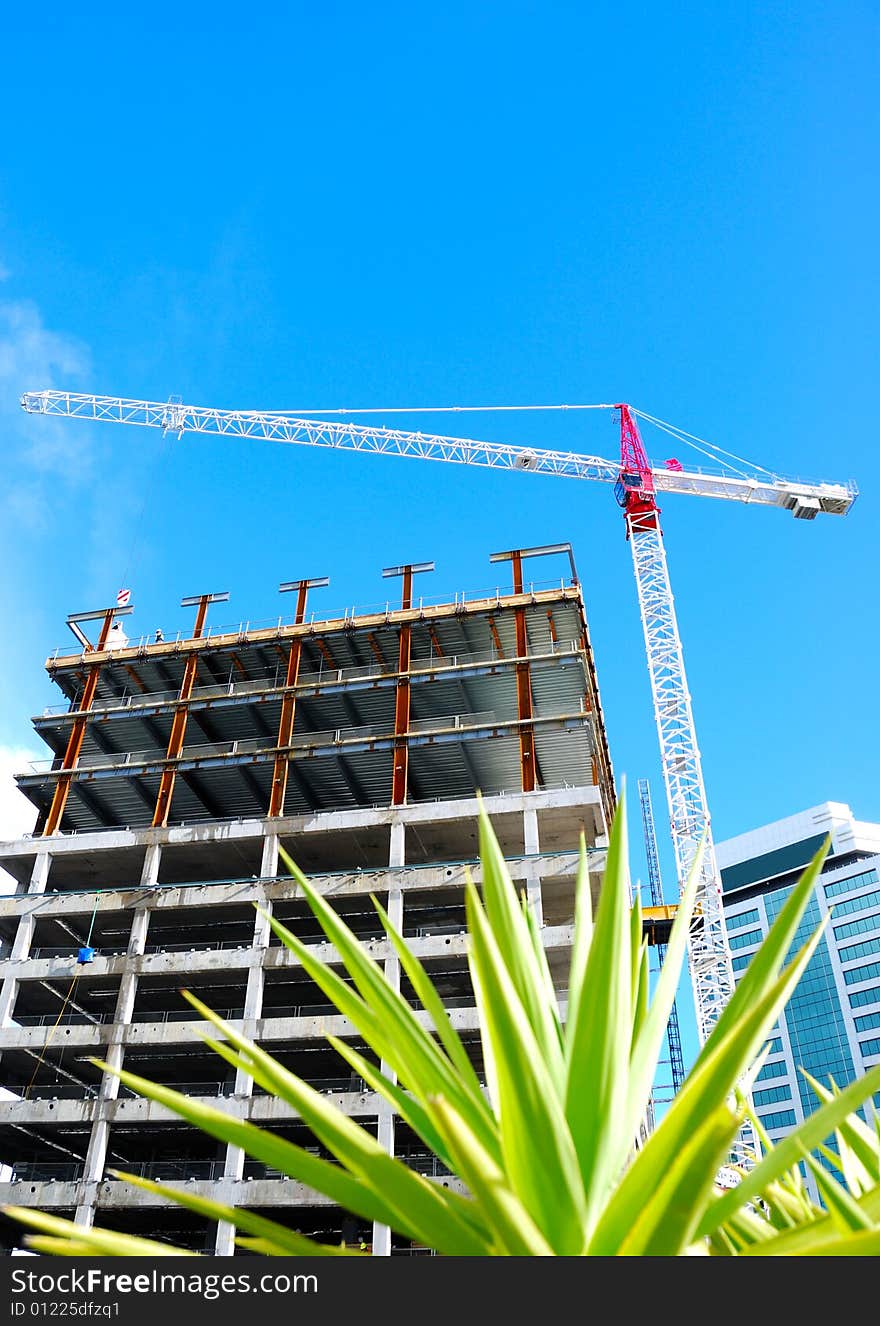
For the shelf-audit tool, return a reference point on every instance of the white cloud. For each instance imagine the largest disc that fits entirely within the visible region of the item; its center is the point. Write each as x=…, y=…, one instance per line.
x=33, y=358
x=17, y=815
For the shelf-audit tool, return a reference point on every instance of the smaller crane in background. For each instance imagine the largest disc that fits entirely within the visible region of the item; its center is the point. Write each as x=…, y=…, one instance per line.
x=655, y=883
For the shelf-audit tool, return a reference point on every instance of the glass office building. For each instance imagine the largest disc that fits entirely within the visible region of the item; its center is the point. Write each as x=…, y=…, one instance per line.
x=831, y=1025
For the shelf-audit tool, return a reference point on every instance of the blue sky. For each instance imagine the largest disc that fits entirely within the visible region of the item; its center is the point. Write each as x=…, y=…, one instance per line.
x=296, y=206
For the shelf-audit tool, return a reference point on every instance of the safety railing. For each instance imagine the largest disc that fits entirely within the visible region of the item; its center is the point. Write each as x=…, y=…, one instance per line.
x=48, y=1171
x=254, y=745
x=545, y=858
x=37, y=1091
x=382, y=608
x=183, y=1014
x=132, y=700
x=176, y=1171
x=71, y=1018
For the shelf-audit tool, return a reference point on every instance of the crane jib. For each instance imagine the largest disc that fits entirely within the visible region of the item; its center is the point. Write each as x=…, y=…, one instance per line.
x=804, y=499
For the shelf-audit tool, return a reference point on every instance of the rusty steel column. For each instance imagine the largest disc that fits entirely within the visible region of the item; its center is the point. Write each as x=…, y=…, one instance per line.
x=400, y=758
x=78, y=731
x=178, y=726
x=288, y=704
x=401, y=701
x=523, y=686
x=524, y=708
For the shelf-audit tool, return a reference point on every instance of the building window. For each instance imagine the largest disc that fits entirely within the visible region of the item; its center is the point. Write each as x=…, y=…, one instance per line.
x=771, y=1096
x=870, y=1047
x=863, y=997
x=778, y=1119
x=739, y=919
x=777, y=1069
x=862, y=950
x=853, y=882
x=860, y=904
x=870, y=1022
x=867, y=973
x=863, y=926
x=746, y=939
x=740, y=963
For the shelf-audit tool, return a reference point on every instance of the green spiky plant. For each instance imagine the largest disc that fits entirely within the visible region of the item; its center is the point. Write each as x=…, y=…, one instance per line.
x=545, y=1155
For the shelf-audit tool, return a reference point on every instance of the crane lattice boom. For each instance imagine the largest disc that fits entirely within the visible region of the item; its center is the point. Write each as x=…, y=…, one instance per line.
x=805, y=499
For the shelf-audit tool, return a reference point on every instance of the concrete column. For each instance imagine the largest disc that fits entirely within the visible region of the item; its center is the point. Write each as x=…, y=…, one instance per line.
x=269, y=862
x=533, y=878
x=21, y=945
x=150, y=868
x=233, y=1167
x=385, y=1122
x=96, y=1156
x=253, y=998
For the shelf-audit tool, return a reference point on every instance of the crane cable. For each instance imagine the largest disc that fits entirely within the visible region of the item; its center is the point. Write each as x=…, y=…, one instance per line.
x=691, y=440
x=709, y=449
x=442, y=409
x=41, y=1057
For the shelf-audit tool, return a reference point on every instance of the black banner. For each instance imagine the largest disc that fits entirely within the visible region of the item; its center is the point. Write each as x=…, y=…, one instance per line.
x=178, y=1291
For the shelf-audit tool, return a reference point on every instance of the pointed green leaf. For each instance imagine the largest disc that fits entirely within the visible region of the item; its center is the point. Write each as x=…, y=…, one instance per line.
x=426, y=1209
x=767, y=962
x=539, y=1158
x=53, y=1246
x=98, y=1242
x=331, y=1180
x=636, y=942
x=291, y=1243
x=410, y=1110
x=514, y=1229
x=858, y=1136
x=393, y=1030
x=542, y=967
x=667, y=1222
x=806, y=1243
x=515, y=947
x=640, y=995
x=583, y=938
x=434, y=1007
x=709, y=1084
x=649, y=1041
x=599, y=1034
x=746, y=1227
x=786, y=1153
x=845, y=1212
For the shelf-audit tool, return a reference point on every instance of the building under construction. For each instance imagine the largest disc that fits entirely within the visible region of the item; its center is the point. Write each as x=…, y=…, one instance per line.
x=177, y=767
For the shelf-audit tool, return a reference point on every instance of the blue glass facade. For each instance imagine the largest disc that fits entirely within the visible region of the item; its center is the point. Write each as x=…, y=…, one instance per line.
x=851, y=883
x=813, y=1017
x=745, y=938
x=823, y=1028
x=830, y=1027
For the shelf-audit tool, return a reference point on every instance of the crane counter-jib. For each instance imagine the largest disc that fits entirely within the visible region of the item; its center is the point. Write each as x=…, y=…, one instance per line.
x=804, y=499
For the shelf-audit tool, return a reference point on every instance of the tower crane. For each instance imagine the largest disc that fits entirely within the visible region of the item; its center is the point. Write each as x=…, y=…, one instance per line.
x=637, y=485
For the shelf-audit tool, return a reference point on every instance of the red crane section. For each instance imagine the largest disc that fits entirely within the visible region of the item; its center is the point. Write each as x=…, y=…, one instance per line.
x=634, y=489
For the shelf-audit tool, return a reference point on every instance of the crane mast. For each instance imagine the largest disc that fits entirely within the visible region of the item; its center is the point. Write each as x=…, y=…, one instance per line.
x=636, y=485
x=710, y=960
